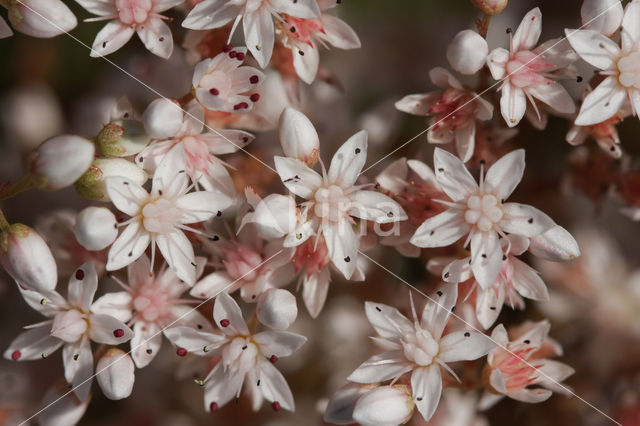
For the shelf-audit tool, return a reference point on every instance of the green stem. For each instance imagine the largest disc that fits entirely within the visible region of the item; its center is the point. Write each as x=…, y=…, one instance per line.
x=26, y=183
x=4, y=224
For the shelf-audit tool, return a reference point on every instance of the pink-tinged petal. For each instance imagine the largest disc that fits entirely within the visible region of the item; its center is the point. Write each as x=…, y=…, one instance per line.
x=536, y=335
x=69, y=325
x=338, y=33
x=453, y=176
x=464, y=346
x=341, y=405
x=111, y=37
x=388, y=322
x=162, y=5
x=279, y=343
x=129, y=246
x=497, y=62
x=82, y=286
x=554, y=95
x=99, y=7
x=634, y=98
x=419, y=104
x=35, y=343
x=393, y=177
x=227, y=141
x=426, y=387
x=306, y=9
x=593, y=47
x=375, y=206
x=297, y=176
x=178, y=252
x=243, y=79
x=424, y=172
x=498, y=381
x=438, y=309
x=259, y=34
x=457, y=271
x=125, y=194
x=505, y=174
x=221, y=386
x=556, y=244
x=551, y=372
x=530, y=396
x=108, y=330
x=466, y=141
x=117, y=305
x=381, y=367
x=314, y=291
x=273, y=385
x=513, y=104
x=525, y=220
x=519, y=244
x=489, y=305
x=527, y=282
x=604, y=16
x=211, y=285
x=138, y=272
x=298, y=137
x=228, y=316
x=348, y=161
x=441, y=230
x=152, y=155
x=78, y=367
x=602, y=103
x=202, y=205
x=170, y=177
x=577, y=135
x=115, y=374
x=444, y=79
x=528, y=31
x=194, y=341
x=630, y=33
x=342, y=245
x=211, y=14
x=306, y=60
x=213, y=102
x=47, y=305
x=156, y=37
x=383, y=406
x=486, y=257
x=145, y=343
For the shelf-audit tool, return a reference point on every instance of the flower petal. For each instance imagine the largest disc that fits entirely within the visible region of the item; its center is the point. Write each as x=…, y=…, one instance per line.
x=211, y=285
x=505, y=174
x=297, y=176
x=528, y=31
x=145, y=343
x=556, y=244
x=221, y=386
x=524, y=220
x=426, y=386
x=436, y=312
x=156, y=37
x=194, y=341
x=630, y=34
x=602, y=103
x=125, y=194
x=381, y=367
x=489, y=304
x=466, y=141
x=513, y=104
x=387, y=320
x=202, y=205
x=441, y=230
x=314, y=291
x=259, y=34
x=116, y=304
x=375, y=206
x=129, y=246
x=306, y=60
x=178, y=252
x=227, y=311
x=464, y=346
x=82, y=286
x=306, y=9
x=419, y=104
x=453, y=177
x=527, y=282
x=593, y=47
x=111, y=37
x=78, y=367
x=348, y=161
x=497, y=62
x=35, y=343
x=342, y=245
x=104, y=329
x=273, y=385
x=554, y=95
x=338, y=33
x=211, y=14
x=279, y=343
x=486, y=257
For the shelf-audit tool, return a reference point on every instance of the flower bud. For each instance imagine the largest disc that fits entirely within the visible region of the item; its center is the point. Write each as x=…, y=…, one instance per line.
x=391, y=405
x=91, y=185
x=122, y=138
x=27, y=258
x=604, y=16
x=467, y=52
x=115, y=374
x=95, y=228
x=163, y=118
x=41, y=18
x=490, y=7
x=298, y=137
x=60, y=161
x=69, y=325
x=277, y=308
x=340, y=407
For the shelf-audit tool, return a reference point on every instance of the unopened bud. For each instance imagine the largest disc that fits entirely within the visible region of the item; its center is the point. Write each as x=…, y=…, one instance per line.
x=27, y=258
x=490, y=7
x=95, y=228
x=277, y=308
x=467, y=52
x=91, y=185
x=60, y=161
x=41, y=18
x=298, y=137
x=116, y=374
x=390, y=405
x=122, y=138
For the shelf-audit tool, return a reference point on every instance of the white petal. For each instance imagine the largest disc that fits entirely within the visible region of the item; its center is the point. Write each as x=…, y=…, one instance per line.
x=465, y=141
x=82, y=286
x=630, y=34
x=221, y=386
x=513, y=104
x=194, y=341
x=387, y=320
x=170, y=177
x=297, y=176
x=444, y=79
x=604, y=16
x=125, y=194
x=115, y=373
x=554, y=371
x=556, y=244
x=505, y=174
x=438, y=309
x=536, y=334
x=162, y=119
x=64, y=408
x=226, y=310
x=241, y=79
x=441, y=230
x=98, y=7
x=341, y=405
x=306, y=9
x=348, y=161
x=273, y=385
x=211, y=285
x=497, y=62
x=419, y=104
x=145, y=343
x=528, y=31
x=486, y=257
x=593, y=47
x=47, y=306
x=530, y=396
x=426, y=387
x=602, y=103
x=375, y=206
x=202, y=205
x=111, y=37
x=453, y=176
x=464, y=346
x=489, y=304
x=42, y=18
x=384, y=406
x=78, y=367
x=117, y=304
x=314, y=291
x=306, y=60
x=35, y=343
x=393, y=177
x=227, y=141
x=156, y=37
x=342, y=244
x=105, y=329
x=279, y=343
x=338, y=33
x=457, y=271
x=381, y=367
x=525, y=220
x=259, y=34
x=527, y=282
x=129, y=246
x=211, y=14
x=554, y=95
x=275, y=216
x=298, y=137
x=178, y=252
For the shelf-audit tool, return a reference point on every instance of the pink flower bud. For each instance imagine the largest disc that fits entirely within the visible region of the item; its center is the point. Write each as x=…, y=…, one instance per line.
x=298, y=137
x=467, y=52
x=95, y=228
x=604, y=16
x=27, y=258
x=391, y=405
x=41, y=18
x=69, y=325
x=61, y=160
x=115, y=374
x=91, y=185
x=490, y=7
x=277, y=308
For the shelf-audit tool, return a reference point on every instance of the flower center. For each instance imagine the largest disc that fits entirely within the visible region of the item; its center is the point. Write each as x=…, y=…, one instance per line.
x=301, y=29
x=331, y=203
x=420, y=347
x=69, y=326
x=526, y=68
x=239, y=356
x=218, y=83
x=152, y=302
x=453, y=110
x=629, y=68
x=311, y=258
x=517, y=373
x=242, y=263
x=133, y=12
x=160, y=216
x=197, y=151
x=483, y=211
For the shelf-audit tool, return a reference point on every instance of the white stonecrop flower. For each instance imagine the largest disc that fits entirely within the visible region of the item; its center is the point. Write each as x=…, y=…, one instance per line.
x=480, y=212
x=528, y=72
x=127, y=17
x=39, y=18
x=161, y=216
x=604, y=16
x=467, y=52
x=419, y=347
x=72, y=324
x=257, y=21
x=454, y=112
x=619, y=64
x=333, y=198
x=221, y=84
x=246, y=357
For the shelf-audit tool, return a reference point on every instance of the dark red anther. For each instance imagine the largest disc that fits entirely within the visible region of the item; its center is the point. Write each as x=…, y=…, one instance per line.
x=213, y=406
x=181, y=352
x=273, y=359
x=227, y=48
x=240, y=56
x=254, y=79
x=233, y=54
x=79, y=274
x=241, y=105
x=16, y=355
x=214, y=91
x=275, y=405
x=118, y=333
x=255, y=97
x=225, y=323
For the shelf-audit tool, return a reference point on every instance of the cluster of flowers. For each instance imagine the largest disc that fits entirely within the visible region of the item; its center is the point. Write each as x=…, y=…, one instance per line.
x=216, y=241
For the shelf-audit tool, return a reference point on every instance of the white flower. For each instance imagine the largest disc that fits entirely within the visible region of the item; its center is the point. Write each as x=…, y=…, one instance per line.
x=256, y=18
x=481, y=212
x=467, y=52
x=40, y=18
x=619, y=64
x=454, y=112
x=604, y=16
x=419, y=348
x=160, y=217
x=127, y=17
x=334, y=198
x=530, y=73
x=72, y=324
x=246, y=358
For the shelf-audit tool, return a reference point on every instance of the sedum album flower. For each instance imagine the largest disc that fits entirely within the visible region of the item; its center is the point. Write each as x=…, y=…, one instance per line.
x=419, y=347
x=39, y=18
x=480, y=211
x=72, y=324
x=454, y=112
x=256, y=18
x=246, y=358
x=127, y=17
x=529, y=73
x=161, y=216
x=619, y=64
